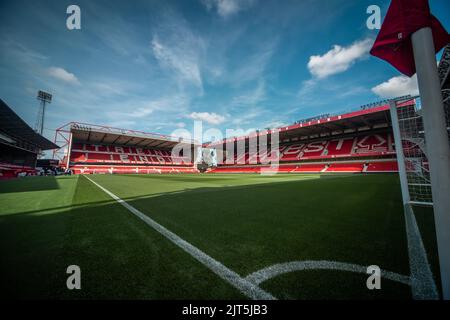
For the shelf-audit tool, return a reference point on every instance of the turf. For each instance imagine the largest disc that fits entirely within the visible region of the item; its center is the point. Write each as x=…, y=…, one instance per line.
x=247, y=222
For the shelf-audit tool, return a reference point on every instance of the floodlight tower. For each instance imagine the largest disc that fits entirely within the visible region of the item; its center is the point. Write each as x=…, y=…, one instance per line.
x=44, y=98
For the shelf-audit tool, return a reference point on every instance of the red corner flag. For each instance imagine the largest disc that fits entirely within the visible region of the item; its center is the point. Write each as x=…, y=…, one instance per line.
x=393, y=43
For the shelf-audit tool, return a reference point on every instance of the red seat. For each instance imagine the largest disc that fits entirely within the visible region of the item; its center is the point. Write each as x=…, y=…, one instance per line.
x=346, y=167
x=310, y=168
x=89, y=153
x=390, y=166
x=368, y=145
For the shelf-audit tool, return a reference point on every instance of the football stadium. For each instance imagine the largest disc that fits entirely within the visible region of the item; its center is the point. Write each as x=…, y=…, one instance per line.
x=341, y=205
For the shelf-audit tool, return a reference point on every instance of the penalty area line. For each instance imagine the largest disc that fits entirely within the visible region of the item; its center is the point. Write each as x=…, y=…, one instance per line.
x=249, y=289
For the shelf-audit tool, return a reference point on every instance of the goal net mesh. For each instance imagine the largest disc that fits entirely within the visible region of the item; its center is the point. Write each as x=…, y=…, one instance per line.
x=414, y=148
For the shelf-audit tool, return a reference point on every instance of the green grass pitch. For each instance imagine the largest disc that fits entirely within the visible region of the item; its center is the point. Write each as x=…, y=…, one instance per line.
x=246, y=222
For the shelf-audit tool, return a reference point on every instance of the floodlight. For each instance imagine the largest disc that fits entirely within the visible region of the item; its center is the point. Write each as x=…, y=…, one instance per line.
x=44, y=96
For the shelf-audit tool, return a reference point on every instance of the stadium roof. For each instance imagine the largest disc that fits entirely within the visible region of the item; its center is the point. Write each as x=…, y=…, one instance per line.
x=82, y=132
x=374, y=117
x=13, y=126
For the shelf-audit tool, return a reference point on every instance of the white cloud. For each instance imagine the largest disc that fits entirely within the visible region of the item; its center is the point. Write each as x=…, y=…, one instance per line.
x=121, y=123
x=179, y=50
x=255, y=65
x=61, y=74
x=144, y=108
x=211, y=118
x=276, y=124
x=221, y=67
x=227, y=8
x=397, y=86
x=338, y=59
x=173, y=58
x=15, y=50
x=306, y=88
x=249, y=116
x=109, y=87
x=253, y=97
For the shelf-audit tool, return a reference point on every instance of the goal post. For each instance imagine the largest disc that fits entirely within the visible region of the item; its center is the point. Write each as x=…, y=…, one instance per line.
x=409, y=137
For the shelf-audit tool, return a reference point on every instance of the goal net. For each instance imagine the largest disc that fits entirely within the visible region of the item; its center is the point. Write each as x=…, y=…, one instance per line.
x=413, y=143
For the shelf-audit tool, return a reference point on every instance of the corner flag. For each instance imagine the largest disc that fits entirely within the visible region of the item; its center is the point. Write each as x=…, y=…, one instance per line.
x=393, y=43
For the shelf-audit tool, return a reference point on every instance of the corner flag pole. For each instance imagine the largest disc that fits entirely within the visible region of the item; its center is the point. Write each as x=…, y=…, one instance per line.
x=437, y=144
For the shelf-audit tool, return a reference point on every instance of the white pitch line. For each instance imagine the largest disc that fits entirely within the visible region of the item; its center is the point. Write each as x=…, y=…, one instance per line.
x=281, y=268
x=246, y=287
x=422, y=282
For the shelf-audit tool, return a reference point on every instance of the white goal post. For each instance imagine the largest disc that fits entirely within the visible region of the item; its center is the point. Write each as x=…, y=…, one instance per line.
x=409, y=136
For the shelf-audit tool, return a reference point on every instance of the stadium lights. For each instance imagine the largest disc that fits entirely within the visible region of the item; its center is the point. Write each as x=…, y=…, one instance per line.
x=45, y=98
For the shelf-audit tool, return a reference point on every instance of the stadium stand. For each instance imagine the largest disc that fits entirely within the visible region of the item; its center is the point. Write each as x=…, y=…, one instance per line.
x=19, y=144
x=348, y=167
x=90, y=149
x=356, y=142
x=345, y=167
x=89, y=153
x=311, y=168
x=389, y=166
x=360, y=141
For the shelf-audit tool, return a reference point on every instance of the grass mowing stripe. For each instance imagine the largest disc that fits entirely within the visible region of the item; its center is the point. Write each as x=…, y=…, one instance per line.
x=249, y=289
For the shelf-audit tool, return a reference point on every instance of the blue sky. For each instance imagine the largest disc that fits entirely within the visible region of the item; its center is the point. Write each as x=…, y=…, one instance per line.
x=158, y=65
